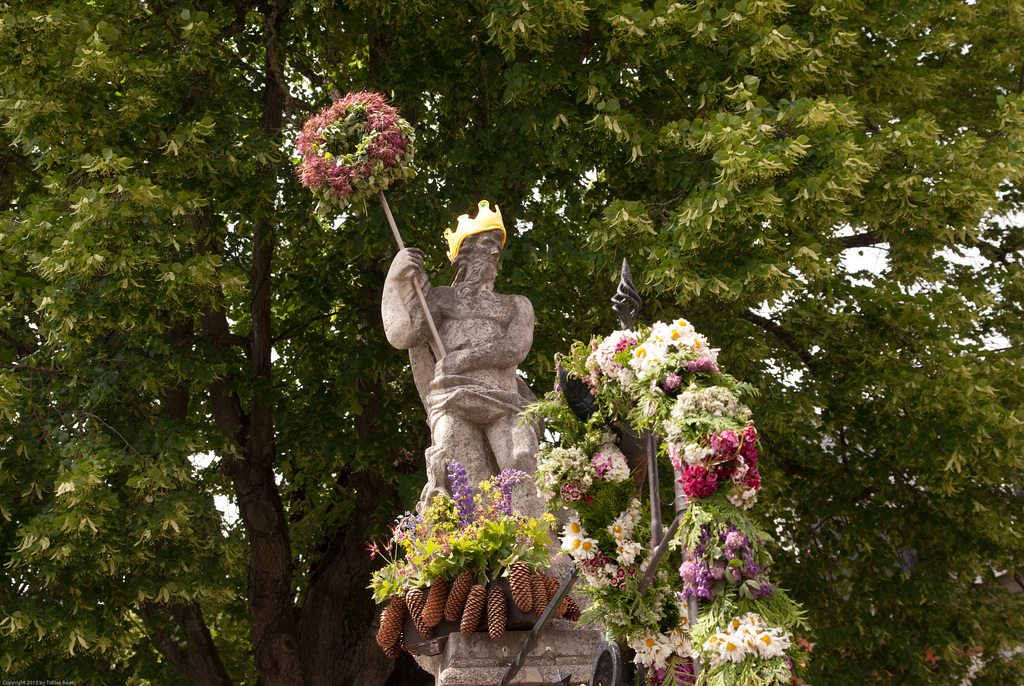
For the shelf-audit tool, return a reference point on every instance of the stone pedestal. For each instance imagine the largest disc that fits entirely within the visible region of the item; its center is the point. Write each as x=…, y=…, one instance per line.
x=476, y=660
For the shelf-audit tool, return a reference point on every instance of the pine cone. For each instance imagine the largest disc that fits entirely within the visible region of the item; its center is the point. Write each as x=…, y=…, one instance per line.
x=475, y=603
x=497, y=611
x=522, y=589
x=540, y=594
x=391, y=623
x=416, y=599
x=433, y=611
x=573, y=612
x=457, y=597
x=552, y=585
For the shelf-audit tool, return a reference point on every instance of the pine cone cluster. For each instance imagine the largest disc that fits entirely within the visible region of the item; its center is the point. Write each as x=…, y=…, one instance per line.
x=468, y=602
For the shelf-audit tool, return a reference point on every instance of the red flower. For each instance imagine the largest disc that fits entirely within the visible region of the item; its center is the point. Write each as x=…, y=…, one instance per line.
x=699, y=482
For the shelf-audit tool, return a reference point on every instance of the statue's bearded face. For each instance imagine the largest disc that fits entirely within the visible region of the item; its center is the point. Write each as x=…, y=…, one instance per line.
x=477, y=262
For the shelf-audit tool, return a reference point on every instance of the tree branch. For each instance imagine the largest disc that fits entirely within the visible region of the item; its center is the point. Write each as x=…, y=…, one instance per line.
x=22, y=349
x=30, y=368
x=785, y=337
x=336, y=610
x=196, y=655
x=274, y=625
x=862, y=240
x=166, y=623
x=300, y=327
x=21, y=163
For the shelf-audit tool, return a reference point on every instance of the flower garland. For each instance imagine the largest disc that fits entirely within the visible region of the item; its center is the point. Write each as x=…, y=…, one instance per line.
x=353, y=149
x=666, y=379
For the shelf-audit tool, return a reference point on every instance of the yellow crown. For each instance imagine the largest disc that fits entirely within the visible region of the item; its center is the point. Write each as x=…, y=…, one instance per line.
x=486, y=220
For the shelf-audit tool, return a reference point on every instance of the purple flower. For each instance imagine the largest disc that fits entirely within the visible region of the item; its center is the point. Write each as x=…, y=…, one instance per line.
x=735, y=540
x=683, y=671
x=505, y=481
x=671, y=382
x=458, y=483
x=718, y=570
x=702, y=364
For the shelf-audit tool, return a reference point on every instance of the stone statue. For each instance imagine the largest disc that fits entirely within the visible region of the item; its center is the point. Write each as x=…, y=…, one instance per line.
x=473, y=394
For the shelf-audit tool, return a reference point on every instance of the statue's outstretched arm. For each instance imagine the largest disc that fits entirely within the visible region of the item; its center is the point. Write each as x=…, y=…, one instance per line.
x=405, y=322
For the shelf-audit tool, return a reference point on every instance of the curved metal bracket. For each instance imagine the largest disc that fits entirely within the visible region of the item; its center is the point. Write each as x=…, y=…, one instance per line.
x=611, y=668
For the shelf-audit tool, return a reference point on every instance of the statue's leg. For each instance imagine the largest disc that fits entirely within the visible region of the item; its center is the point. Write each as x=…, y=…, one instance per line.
x=456, y=440
x=515, y=447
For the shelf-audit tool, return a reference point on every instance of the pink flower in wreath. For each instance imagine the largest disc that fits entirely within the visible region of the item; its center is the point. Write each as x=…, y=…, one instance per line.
x=749, y=448
x=753, y=479
x=675, y=454
x=699, y=482
x=570, y=491
x=725, y=443
x=688, y=571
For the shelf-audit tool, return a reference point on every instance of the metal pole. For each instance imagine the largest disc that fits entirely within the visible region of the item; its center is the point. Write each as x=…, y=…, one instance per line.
x=655, y=487
x=415, y=282
x=692, y=605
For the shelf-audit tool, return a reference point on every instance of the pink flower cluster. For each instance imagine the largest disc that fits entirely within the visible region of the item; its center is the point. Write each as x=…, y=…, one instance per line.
x=388, y=147
x=602, y=463
x=733, y=459
x=602, y=571
x=602, y=358
x=570, y=491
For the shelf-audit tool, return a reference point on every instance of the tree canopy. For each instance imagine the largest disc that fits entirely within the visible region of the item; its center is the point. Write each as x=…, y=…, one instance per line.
x=176, y=324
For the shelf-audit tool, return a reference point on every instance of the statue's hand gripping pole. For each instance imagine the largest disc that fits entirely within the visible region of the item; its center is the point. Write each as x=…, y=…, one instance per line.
x=415, y=281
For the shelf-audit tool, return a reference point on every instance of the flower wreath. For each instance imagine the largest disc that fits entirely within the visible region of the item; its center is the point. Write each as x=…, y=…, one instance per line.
x=353, y=149
x=666, y=379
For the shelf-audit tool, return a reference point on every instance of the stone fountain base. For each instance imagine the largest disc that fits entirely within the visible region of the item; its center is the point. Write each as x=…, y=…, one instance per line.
x=562, y=651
